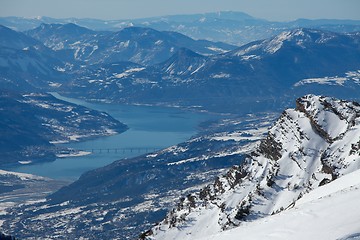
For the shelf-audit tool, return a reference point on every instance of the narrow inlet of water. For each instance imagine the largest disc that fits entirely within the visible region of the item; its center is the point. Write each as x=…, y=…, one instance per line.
x=150, y=128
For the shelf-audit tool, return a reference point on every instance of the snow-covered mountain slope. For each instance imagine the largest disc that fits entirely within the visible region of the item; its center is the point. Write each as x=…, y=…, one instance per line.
x=62, y=37
x=307, y=147
x=300, y=37
x=299, y=50
x=59, y=36
x=183, y=62
x=26, y=63
x=12, y=39
x=328, y=212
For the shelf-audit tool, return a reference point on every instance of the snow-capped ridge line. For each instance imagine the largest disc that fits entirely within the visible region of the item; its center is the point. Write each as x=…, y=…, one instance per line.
x=300, y=37
x=303, y=150
x=339, y=112
x=310, y=218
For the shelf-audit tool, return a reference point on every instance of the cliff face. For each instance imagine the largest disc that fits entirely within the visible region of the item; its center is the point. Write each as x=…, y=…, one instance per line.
x=307, y=147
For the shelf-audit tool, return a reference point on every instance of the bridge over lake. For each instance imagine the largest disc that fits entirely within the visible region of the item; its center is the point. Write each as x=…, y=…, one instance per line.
x=122, y=150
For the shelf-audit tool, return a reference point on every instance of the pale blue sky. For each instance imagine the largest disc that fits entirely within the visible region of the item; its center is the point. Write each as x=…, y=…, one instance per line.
x=126, y=9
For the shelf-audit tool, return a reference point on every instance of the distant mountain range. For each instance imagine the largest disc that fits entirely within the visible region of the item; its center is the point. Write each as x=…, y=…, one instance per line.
x=26, y=63
x=142, y=65
x=232, y=27
x=260, y=75
x=140, y=45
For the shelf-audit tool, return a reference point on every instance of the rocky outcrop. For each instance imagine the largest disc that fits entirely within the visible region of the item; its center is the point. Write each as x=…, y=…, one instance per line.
x=307, y=147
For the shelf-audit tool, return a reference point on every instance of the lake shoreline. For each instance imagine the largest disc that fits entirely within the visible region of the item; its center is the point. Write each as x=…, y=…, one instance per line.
x=149, y=128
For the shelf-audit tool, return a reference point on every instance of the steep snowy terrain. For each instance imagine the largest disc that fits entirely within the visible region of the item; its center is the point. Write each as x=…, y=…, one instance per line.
x=307, y=147
x=328, y=212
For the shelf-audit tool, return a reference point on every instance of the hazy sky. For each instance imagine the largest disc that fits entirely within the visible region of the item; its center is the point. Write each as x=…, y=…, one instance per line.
x=125, y=9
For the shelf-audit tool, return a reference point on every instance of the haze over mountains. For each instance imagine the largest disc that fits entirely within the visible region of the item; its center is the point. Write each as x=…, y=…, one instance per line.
x=140, y=45
x=232, y=27
x=236, y=170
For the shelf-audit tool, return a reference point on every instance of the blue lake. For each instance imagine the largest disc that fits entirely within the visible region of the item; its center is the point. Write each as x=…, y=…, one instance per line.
x=149, y=128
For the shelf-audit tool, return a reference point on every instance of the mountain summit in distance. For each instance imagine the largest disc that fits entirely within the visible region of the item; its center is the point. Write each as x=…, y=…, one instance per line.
x=140, y=45
x=264, y=74
x=235, y=28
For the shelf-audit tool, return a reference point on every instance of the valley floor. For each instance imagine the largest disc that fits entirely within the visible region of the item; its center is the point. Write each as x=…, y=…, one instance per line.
x=20, y=188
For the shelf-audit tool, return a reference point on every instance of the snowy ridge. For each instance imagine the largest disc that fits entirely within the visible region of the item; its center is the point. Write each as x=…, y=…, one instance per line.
x=302, y=151
x=300, y=37
x=310, y=218
x=334, y=117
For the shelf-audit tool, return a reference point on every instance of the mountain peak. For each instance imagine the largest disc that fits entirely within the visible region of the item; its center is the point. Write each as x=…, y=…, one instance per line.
x=138, y=30
x=183, y=62
x=17, y=40
x=298, y=37
x=186, y=53
x=56, y=28
x=303, y=34
x=231, y=15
